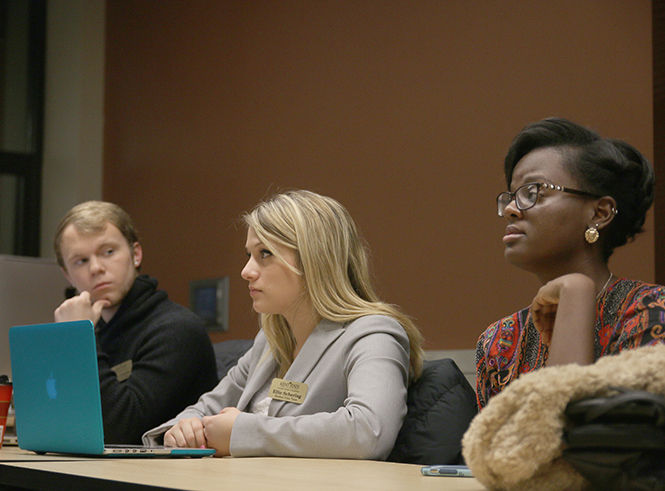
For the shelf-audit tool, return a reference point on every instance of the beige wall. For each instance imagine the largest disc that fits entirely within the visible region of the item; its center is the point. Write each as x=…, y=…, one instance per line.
x=73, y=110
x=401, y=110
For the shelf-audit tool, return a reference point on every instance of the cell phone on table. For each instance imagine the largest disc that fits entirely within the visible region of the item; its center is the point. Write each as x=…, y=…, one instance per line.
x=446, y=471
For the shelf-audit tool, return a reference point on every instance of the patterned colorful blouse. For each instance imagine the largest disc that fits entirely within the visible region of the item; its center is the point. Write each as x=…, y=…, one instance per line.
x=629, y=314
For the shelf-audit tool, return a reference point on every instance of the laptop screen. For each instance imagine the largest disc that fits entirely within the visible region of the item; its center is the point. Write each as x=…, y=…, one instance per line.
x=56, y=393
x=56, y=387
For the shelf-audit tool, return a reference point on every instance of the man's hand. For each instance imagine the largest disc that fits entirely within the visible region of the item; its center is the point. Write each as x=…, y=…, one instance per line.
x=79, y=308
x=187, y=432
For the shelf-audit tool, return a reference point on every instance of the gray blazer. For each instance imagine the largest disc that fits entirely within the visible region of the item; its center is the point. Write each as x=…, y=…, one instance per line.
x=357, y=376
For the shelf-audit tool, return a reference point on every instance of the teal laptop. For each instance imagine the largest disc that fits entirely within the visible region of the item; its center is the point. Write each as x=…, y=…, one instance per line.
x=56, y=393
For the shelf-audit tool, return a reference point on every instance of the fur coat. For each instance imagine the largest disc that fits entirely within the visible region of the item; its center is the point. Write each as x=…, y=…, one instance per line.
x=515, y=442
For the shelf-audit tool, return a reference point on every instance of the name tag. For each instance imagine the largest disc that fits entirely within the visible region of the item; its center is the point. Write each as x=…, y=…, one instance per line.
x=123, y=370
x=286, y=390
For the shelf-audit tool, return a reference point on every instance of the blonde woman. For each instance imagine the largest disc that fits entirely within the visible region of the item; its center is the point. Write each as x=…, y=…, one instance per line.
x=328, y=372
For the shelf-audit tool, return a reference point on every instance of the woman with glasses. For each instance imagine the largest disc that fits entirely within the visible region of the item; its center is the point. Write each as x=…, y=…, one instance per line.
x=573, y=198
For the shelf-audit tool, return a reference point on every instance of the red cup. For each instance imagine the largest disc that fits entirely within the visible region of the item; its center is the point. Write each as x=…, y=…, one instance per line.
x=5, y=401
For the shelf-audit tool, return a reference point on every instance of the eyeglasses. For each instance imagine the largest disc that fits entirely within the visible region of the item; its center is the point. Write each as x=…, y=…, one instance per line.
x=526, y=196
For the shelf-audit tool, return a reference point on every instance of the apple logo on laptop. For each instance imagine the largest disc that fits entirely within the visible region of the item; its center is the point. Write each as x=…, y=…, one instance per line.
x=50, y=387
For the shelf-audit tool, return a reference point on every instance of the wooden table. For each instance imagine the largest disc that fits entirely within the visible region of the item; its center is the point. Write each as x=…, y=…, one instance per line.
x=30, y=471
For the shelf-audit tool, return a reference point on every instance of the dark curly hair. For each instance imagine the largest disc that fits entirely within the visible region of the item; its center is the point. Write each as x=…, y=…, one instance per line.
x=601, y=166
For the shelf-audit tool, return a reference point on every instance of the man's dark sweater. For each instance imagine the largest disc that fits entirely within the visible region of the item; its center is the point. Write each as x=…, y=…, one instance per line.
x=155, y=358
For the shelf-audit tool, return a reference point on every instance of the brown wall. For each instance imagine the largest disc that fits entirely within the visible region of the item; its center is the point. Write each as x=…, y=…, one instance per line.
x=401, y=110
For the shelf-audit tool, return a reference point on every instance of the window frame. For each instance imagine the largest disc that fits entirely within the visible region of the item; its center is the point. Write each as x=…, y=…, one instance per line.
x=27, y=166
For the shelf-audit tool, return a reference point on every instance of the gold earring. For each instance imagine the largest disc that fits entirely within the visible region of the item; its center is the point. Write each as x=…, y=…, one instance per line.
x=591, y=234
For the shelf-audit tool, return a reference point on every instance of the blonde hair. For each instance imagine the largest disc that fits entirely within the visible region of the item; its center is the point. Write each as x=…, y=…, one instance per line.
x=334, y=264
x=92, y=217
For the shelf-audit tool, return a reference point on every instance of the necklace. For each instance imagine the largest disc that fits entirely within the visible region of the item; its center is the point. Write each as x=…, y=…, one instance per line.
x=604, y=286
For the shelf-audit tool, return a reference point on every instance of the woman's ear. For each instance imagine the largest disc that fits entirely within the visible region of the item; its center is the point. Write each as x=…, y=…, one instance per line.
x=605, y=211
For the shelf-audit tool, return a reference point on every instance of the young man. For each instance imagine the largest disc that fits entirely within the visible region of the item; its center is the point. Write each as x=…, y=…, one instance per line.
x=154, y=356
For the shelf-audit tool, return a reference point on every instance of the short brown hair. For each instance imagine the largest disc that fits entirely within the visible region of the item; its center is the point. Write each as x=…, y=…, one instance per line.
x=92, y=217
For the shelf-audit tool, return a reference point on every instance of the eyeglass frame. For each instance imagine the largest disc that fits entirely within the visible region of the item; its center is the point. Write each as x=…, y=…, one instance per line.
x=539, y=185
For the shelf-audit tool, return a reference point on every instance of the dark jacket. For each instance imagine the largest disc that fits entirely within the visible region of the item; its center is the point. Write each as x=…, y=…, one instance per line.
x=155, y=358
x=441, y=404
